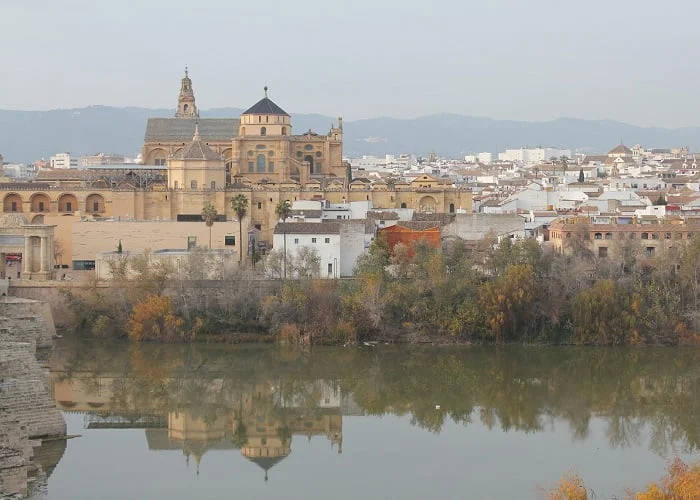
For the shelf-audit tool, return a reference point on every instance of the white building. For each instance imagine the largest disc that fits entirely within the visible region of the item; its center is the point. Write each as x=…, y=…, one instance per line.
x=533, y=155
x=64, y=160
x=338, y=244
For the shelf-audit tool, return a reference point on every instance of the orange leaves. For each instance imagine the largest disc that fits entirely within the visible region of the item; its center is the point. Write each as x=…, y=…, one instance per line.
x=682, y=482
x=570, y=487
x=153, y=318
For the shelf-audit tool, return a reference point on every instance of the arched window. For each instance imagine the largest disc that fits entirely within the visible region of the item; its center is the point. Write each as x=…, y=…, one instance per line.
x=284, y=130
x=263, y=131
x=452, y=208
x=185, y=108
x=598, y=236
x=242, y=130
x=403, y=205
x=193, y=184
x=260, y=163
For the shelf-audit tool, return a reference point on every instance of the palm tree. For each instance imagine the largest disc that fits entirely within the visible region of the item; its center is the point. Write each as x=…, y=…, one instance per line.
x=239, y=204
x=282, y=210
x=209, y=215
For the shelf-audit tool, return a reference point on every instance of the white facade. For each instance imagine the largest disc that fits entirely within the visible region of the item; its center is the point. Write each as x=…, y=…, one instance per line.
x=338, y=245
x=64, y=160
x=533, y=155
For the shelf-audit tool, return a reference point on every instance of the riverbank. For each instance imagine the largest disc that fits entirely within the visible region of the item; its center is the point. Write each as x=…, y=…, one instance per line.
x=494, y=293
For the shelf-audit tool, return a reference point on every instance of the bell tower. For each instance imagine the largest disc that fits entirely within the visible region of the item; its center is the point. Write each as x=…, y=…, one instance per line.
x=186, y=107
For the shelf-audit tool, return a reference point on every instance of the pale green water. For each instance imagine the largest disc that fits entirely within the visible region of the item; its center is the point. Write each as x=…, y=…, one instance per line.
x=209, y=421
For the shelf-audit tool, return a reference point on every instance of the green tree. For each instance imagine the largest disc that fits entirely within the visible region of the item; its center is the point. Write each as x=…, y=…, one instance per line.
x=239, y=205
x=581, y=177
x=209, y=215
x=282, y=210
x=507, y=302
x=661, y=200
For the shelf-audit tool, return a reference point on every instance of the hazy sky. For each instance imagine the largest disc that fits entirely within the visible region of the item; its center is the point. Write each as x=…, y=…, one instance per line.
x=630, y=60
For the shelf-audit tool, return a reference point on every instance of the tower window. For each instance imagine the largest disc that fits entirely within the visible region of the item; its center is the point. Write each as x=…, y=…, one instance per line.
x=263, y=131
x=284, y=130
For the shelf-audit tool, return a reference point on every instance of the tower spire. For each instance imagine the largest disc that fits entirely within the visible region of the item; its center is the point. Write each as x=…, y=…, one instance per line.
x=186, y=106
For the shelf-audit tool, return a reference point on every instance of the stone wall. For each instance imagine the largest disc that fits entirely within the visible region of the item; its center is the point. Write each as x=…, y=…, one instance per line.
x=27, y=409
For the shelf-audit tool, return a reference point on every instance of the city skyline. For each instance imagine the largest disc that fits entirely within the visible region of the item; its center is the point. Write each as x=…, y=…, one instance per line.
x=533, y=62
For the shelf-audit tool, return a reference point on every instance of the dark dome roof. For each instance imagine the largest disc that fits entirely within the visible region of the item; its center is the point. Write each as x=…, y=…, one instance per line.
x=265, y=106
x=267, y=463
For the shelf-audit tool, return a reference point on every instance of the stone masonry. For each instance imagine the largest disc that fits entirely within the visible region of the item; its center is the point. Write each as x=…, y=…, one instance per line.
x=27, y=410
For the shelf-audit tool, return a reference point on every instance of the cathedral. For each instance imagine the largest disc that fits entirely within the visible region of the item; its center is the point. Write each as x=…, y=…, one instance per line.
x=257, y=147
x=189, y=162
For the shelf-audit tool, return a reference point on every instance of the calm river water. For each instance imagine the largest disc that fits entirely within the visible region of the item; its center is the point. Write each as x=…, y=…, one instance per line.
x=212, y=421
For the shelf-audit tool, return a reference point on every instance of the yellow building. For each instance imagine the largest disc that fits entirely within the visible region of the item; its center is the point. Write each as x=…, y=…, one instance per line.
x=190, y=162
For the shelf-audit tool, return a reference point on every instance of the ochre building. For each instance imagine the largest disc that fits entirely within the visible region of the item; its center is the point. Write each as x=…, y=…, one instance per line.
x=190, y=161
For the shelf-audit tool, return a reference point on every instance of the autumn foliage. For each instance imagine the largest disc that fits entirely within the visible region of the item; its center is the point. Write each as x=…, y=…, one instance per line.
x=153, y=318
x=681, y=482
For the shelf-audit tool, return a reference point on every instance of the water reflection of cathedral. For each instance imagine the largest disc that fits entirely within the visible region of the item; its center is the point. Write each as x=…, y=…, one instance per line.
x=261, y=420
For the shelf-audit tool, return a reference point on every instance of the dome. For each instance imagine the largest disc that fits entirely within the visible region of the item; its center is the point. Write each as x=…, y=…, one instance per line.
x=265, y=106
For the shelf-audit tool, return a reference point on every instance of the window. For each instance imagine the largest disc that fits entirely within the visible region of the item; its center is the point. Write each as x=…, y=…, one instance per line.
x=654, y=236
x=403, y=205
x=258, y=227
x=650, y=251
x=271, y=166
x=308, y=147
x=193, y=184
x=603, y=252
x=176, y=185
x=668, y=236
x=160, y=162
x=330, y=269
x=230, y=241
x=284, y=130
x=69, y=206
x=263, y=130
x=260, y=163
x=296, y=241
x=381, y=222
x=83, y=265
x=608, y=236
x=259, y=205
x=41, y=206
x=95, y=206
x=327, y=240
x=645, y=236
x=318, y=154
x=598, y=236
x=452, y=208
x=270, y=153
x=14, y=206
x=213, y=185
x=313, y=240
x=251, y=166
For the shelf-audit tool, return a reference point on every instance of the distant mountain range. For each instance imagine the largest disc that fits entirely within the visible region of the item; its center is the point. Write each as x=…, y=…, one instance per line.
x=26, y=136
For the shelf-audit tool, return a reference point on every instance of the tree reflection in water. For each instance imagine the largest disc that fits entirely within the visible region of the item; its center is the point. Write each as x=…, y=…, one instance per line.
x=256, y=398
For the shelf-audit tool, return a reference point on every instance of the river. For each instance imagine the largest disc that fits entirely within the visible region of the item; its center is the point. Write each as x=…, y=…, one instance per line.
x=384, y=422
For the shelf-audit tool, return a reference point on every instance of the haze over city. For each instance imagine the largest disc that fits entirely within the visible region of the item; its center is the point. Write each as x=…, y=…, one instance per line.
x=504, y=59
